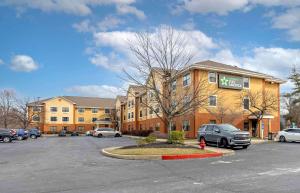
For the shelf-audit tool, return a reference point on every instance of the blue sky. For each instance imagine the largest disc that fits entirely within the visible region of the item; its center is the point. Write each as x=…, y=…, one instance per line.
x=50, y=48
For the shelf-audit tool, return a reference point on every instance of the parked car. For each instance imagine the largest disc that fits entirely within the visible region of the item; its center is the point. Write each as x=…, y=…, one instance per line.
x=22, y=134
x=62, y=133
x=34, y=133
x=13, y=133
x=291, y=134
x=75, y=133
x=5, y=135
x=224, y=135
x=105, y=132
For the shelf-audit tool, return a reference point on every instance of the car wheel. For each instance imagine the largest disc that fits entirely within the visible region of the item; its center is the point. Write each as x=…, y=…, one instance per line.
x=117, y=135
x=223, y=143
x=33, y=136
x=20, y=138
x=99, y=135
x=282, y=139
x=6, y=139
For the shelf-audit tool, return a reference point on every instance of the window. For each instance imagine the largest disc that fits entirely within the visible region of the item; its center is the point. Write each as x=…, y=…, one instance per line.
x=94, y=110
x=36, y=118
x=107, y=111
x=187, y=79
x=129, y=102
x=65, y=109
x=132, y=115
x=186, y=125
x=213, y=101
x=173, y=126
x=80, y=110
x=94, y=119
x=37, y=109
x=80, y=119
x=246, y=82
x=246, y=126
x=107, y=119
x=124, y=117
x=141, y=100
x=141, y=113
x=128, y=115
x=157, y=109
x=53, y=109
x=150, y=111
x=246, y=104
x=186, y=101
x=173, y=85
x=213, y=122
x=80, y=128
x=65, y=119
x=157, y=126
x=53, y=119
x=212, y=77
x=132, y=103
x=52, y=129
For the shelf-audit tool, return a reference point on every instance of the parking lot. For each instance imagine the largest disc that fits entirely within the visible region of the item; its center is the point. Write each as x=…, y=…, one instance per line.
x=74, y=164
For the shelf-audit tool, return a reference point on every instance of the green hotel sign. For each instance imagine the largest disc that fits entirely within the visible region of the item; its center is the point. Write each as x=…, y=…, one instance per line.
x=230, y=81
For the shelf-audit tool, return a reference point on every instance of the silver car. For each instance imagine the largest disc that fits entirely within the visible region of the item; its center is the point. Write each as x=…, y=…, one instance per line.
x=106, y=132
x=224, y=135
x=291, y=134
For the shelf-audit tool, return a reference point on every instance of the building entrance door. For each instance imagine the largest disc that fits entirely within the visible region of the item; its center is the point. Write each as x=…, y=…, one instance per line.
x=65, y=128
x=254, y=128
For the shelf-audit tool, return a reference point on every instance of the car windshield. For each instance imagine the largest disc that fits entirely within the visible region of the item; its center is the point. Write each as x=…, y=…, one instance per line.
x=228, y=127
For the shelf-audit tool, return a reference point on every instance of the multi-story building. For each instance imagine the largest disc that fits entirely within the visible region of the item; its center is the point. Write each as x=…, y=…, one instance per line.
x=227, y=83
x=72, y=113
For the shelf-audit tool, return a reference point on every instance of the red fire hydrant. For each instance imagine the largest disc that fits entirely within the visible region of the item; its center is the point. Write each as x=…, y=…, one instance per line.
x=202, y=144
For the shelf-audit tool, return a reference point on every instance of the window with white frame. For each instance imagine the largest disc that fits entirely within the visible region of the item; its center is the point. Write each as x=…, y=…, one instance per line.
x=80, y=128
x=187, y=79
x=150, y=111
x=173, y=85
x=36, y=118
x=94, y=119
x=212, y=77
x=212, y=101
x=107, y=111
x=53, y=109
x=186, y=101
x=141, y=113
x=128, y=115
x=246, y=82
x=94, y=110
x=80, y=110
x=186, y=125
x=132, y=115
x=52, y=129
x=65, y=109
x=65, y=119
x=80, y=119
x=53, y=119
x=246, y=103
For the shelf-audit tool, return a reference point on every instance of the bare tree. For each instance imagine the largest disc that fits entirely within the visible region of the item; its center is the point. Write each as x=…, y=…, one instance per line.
x=21, y=113
x=161, y=59
x=223, y=113
x=260, y=103
x=291, y=108
x=7, y=100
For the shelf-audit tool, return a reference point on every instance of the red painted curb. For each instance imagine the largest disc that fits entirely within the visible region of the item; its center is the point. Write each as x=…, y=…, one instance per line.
x=190, y=156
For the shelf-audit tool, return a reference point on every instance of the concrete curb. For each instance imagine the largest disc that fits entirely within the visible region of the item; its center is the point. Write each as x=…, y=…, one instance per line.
x=129, y=157
x=106, y=152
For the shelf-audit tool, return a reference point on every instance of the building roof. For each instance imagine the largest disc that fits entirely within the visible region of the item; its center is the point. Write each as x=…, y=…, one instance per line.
x=122, y=98
x=220, y=67
x=84, y=101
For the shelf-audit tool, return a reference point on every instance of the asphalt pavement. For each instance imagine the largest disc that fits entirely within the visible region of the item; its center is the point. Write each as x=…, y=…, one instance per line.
x=75, y=165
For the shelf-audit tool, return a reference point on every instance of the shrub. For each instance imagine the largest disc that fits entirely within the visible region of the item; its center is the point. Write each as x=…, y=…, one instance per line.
x=176, y=137
x=151, y=138
x=142, y=133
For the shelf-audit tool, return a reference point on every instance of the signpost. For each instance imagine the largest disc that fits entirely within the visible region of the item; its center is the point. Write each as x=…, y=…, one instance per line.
x=230, y=81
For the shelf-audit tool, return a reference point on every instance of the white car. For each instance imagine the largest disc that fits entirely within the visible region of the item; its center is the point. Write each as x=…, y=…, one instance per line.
x=291, y=134
x=106, y=132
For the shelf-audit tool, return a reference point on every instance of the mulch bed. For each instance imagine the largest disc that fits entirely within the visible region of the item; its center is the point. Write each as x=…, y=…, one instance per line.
x=158, y=145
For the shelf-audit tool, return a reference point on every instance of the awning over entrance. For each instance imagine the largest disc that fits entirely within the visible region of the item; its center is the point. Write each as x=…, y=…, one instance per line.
x=265, y=116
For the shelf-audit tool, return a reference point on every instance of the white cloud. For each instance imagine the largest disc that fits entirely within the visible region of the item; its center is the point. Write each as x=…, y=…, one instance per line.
x=128, y=9
x=225, y=56
x=84, y=26
x=274, y=61
x=222, y=7
x=78, y=7
x=104, y=91
x=1, y=61
x=109, y=22
x=110, y=61
x=290, y=20
x=23, y=63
